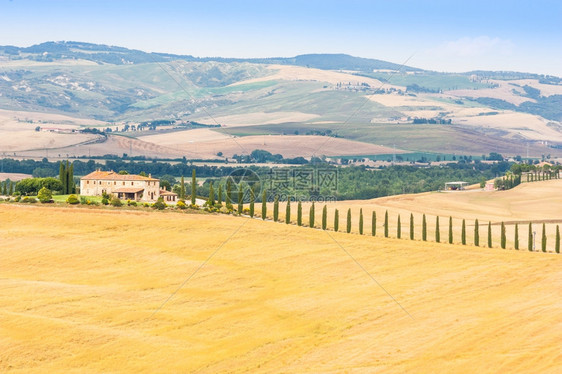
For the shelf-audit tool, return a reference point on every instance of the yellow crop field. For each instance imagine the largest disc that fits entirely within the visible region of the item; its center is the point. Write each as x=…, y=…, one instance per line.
x=538, y=202
x=103, y=290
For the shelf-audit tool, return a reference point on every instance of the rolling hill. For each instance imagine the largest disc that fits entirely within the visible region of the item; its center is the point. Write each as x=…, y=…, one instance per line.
x=141, y=291
x=363, y=100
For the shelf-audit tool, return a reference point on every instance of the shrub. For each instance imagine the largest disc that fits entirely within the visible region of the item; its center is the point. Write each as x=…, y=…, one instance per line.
x=159, y=204
x=131, y=203
x=105, y=201
x=17, y=198
x=29, y=199
x=45, y=195
x=146, y=205
x=181, y=204
x=72, y=199
x=116, y=202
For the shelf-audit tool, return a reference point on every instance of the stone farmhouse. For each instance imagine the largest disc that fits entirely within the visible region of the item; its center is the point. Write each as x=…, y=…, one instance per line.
x=125, y=187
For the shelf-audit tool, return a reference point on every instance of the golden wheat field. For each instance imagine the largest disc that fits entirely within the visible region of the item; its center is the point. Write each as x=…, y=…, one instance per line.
x=537, y=202
x=103, y=290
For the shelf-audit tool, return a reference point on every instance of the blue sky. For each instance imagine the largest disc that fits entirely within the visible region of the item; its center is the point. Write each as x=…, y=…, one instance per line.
x=441, y=35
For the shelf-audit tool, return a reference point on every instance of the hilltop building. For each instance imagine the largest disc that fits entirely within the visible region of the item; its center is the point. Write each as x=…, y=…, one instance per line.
x=124, y=186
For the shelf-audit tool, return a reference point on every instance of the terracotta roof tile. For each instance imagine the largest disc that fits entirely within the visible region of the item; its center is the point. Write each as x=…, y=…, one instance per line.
x=113, y=176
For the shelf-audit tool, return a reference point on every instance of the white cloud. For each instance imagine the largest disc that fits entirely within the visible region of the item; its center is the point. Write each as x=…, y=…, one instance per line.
x=478, y=46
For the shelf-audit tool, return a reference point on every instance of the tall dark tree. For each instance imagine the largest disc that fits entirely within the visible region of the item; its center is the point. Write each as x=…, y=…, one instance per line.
x=411, y=226
x=324, y=217
x=424, y=228
x=476, y=233
x=374, y=223
x=211, y=200
x=543, y=238
x=219, y=195
x=450, y=230
x=386, y=224
x=489, y=234
x=228, y=202
x=62, y=177
x=437, y=231
x=71, y=184
x=263, y=204
x=193, y=187
x=252, y=201
x=361, y=221
x=311, y=216
x=240, y=198
x=503, y=239
x=557, y=243
x=276, y=208
x=530, y=238
x=299, y=214
x=463, y=232
x=288, y=212
x=348, y=221
x=182, y=188
x=399, y=228
x=336, y=220
x=516, y=239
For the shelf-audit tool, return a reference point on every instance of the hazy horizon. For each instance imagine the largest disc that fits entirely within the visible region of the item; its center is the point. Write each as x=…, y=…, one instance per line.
x=438, y=35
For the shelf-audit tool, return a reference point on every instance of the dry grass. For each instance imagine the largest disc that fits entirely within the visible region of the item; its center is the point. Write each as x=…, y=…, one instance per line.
x=79, y=287
x=536, y=202
x=14, y=176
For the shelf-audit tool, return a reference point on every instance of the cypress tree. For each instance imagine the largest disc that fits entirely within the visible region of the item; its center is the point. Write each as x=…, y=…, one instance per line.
x=299, y=214
x=557, y=245
x=476, y=233
x=489, y=234
x=4, y=188
x=228, y=194
x=463, y=233
x=240, y=199
x=182, y=188
x=424, y=228
x=399, y=228
x=516, y=240
x=288, y=211
x=276, y=208
x=193, y=186
x=349, y=220
x=71, y=184
x=450, y=230
x=219, y=198
x=324, y=217
x=264, y=204
x=437, y=231
x=211, y=200
x=411, y=226
x=543, y=239
x=386, y=224
x=374, y=223
x=530, y=238
x=336, y=220
x=252, y=201
x=361, y=221
x=12, y=188
x=502, y=237
x=311, y=216
x=62, y=177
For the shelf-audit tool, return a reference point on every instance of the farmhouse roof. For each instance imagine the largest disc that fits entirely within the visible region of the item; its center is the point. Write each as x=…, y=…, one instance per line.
x=111, y=175
x=129, y=189
x=167, y=193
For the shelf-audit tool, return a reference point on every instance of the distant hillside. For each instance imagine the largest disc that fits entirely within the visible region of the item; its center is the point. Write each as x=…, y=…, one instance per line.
x=100, y=53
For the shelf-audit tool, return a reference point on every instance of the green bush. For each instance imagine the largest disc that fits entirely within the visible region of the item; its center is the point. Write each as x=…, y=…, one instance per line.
x=17, y=199
x=181, y=204
x=131, y=203
x=116, y=202
x=45, y=195
x=72, y=199
x=159, y=204
x=29, y=199
x=105, y=201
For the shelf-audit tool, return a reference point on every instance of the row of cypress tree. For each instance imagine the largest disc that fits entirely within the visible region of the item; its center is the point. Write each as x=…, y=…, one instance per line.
x=7, y=188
